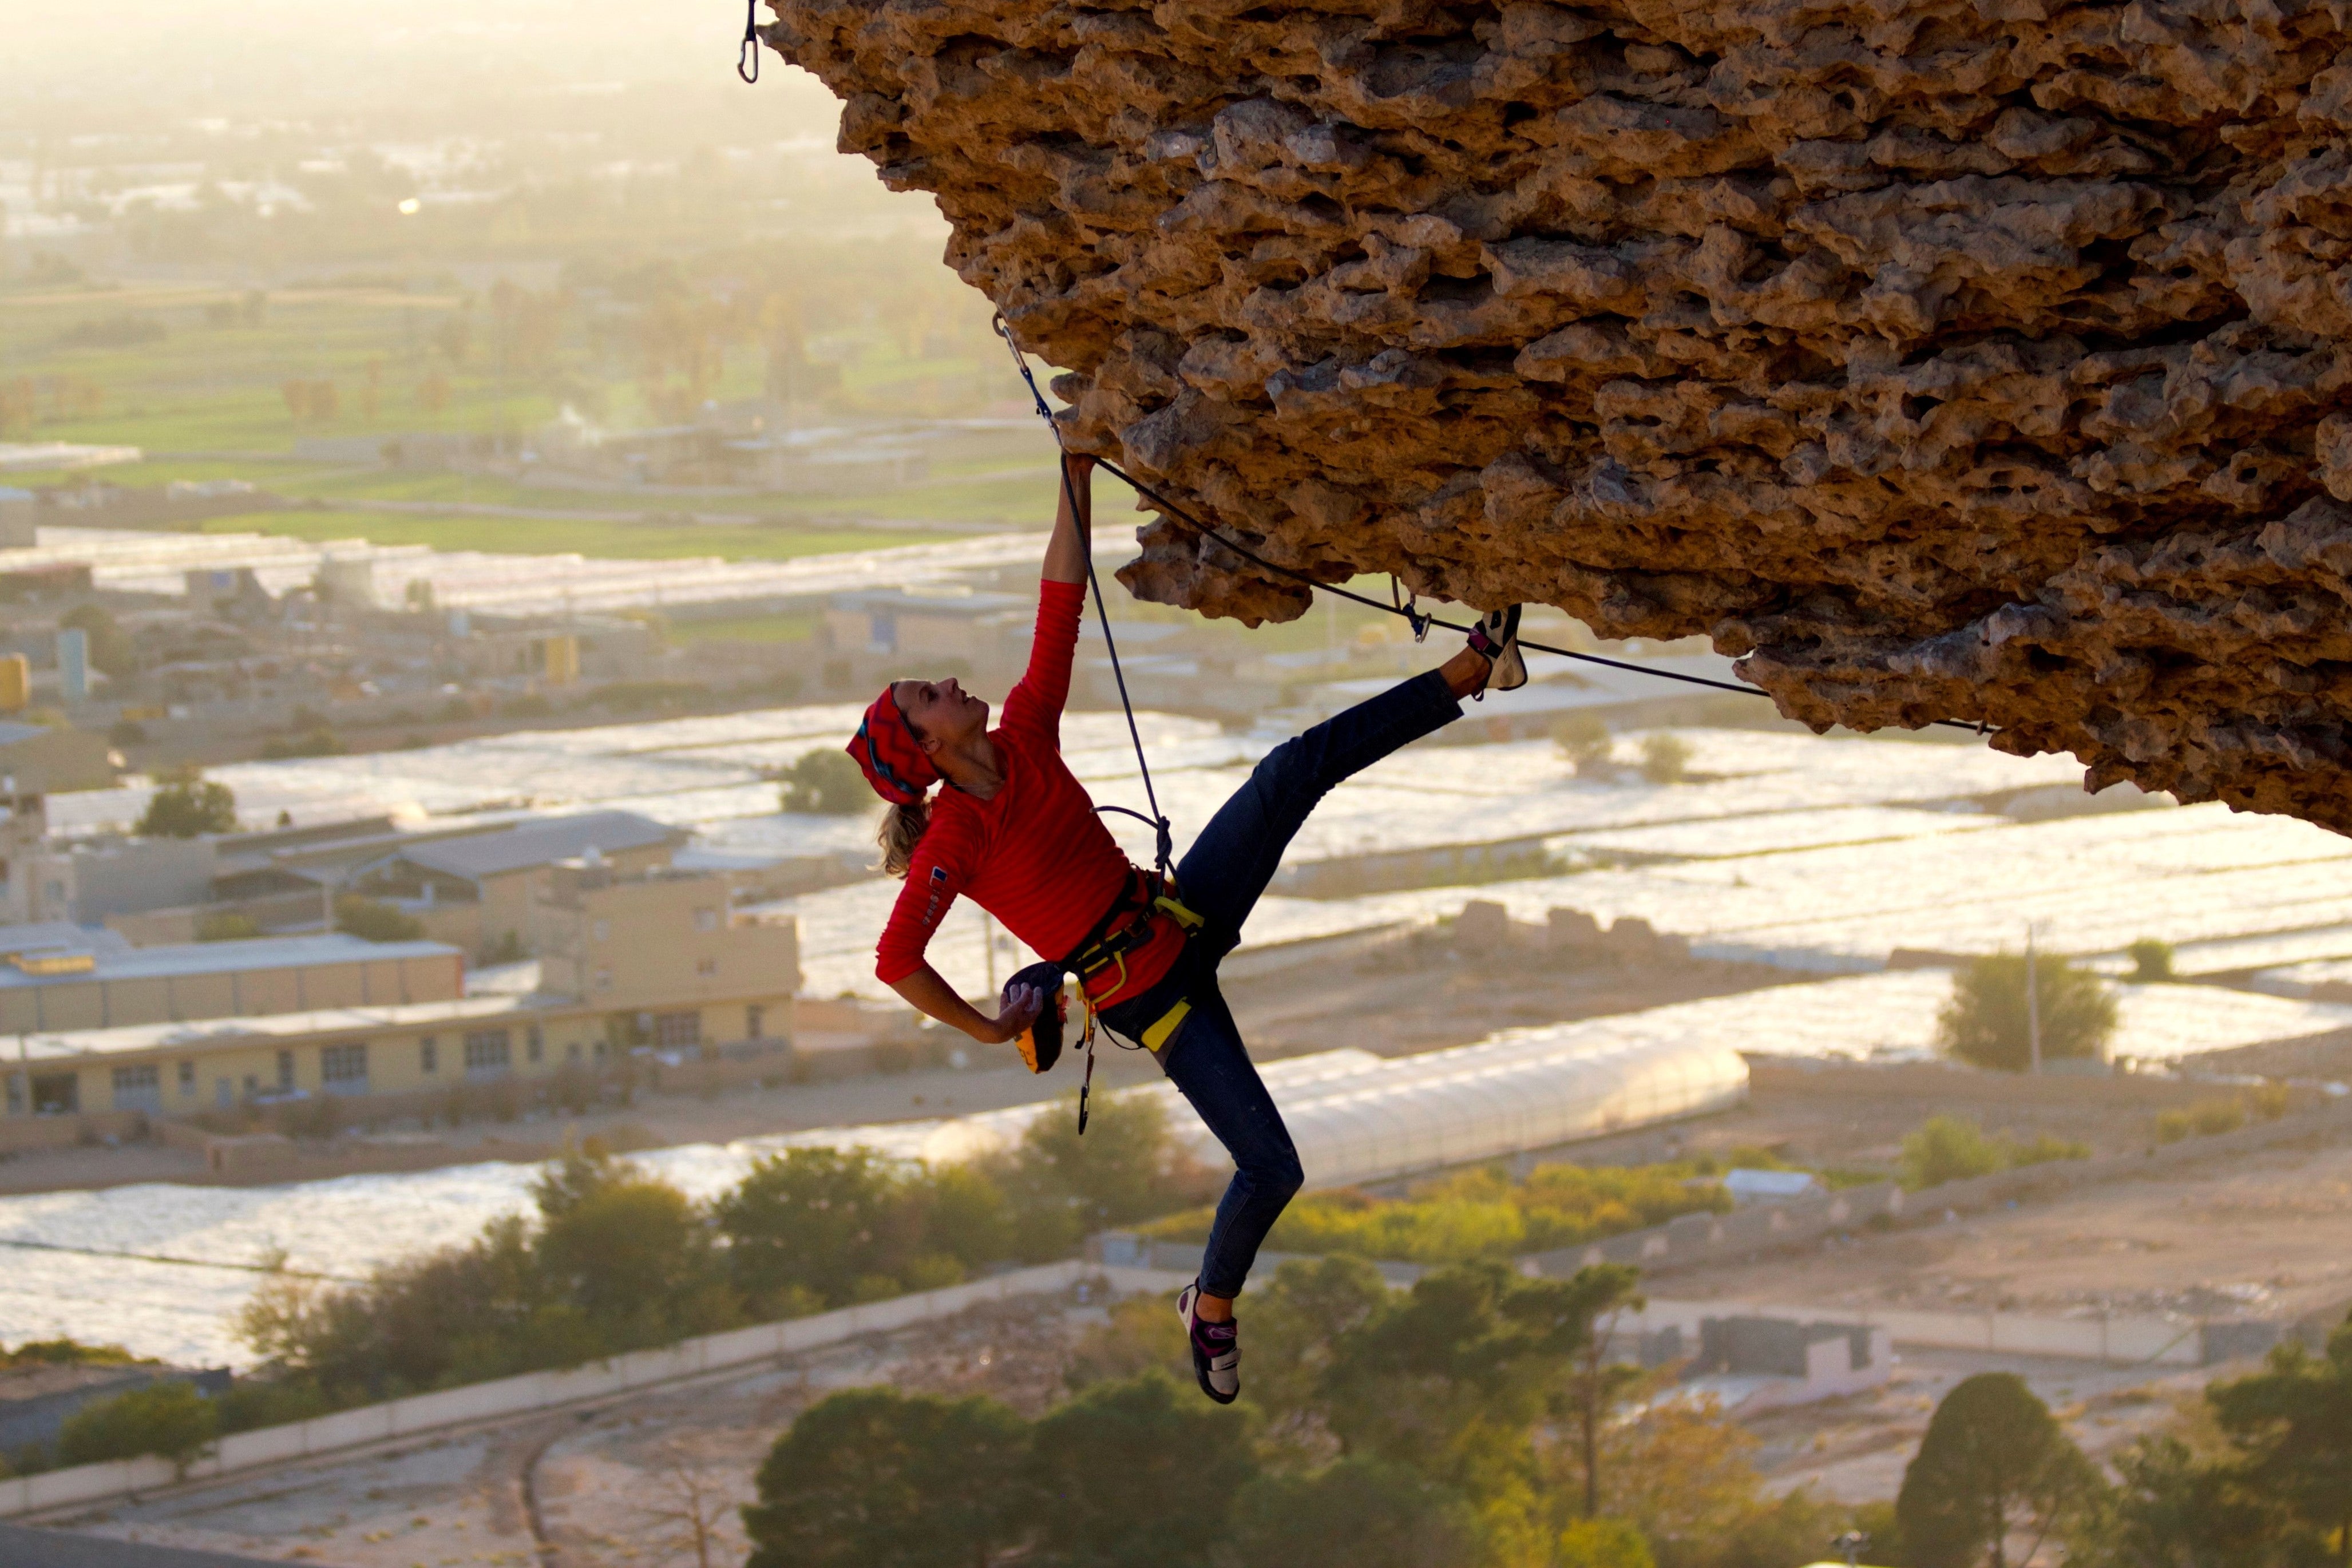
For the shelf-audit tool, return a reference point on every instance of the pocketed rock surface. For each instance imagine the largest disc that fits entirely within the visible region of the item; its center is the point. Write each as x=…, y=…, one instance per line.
x=1985, y=362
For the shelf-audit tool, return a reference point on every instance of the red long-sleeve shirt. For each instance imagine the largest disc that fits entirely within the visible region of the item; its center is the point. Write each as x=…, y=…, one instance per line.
x=1035, y=855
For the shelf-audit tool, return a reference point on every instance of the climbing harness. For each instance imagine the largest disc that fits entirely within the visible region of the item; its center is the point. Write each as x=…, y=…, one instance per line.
x=1420, y=623
x=749, y=53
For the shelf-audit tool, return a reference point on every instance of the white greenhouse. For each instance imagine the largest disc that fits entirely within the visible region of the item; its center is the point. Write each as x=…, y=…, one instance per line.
x=1356, y=1116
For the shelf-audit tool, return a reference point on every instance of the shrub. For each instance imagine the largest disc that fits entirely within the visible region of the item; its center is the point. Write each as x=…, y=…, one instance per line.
x=2220, y=1114
x=188, y=806
x=1480, y=1214
x=1665, y=758
x=1584, y=739
x=1953, y=1149
x=1986, y=1024
x=171, y=1420
x=227, y=925
x=826, y=783
x=1602, y=1543
x=2151, y=961
x=320, y=741
x=374, y=921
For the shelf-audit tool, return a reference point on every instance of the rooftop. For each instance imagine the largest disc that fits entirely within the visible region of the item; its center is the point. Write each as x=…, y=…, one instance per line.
x=540, y=844
x=119, y=963
x=127, y=1039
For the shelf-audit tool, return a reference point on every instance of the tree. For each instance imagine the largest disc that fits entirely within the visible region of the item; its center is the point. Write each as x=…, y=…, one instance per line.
x=1985, y=1022
x=2290, y=1425
x=1604, y=1289
x=1294, y=1320
x=827, y=1226
x=628, y=1252
x=2174, y=1508
x=1128, y=1168
x=1993, y=1464
x=188, y=806
x=2152, y=962
x=1136, y=1475
x=1357, y=1513
x=169, y=1419
x=1451, y=1380
x=873, y=1478
x=374, y=919
x=826, y=783
x=1683, y=1474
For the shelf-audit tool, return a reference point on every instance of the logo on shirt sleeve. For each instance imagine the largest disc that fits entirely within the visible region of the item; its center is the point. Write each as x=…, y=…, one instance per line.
x=939, y=885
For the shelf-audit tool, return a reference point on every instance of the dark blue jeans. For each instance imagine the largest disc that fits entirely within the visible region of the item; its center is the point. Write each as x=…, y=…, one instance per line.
x=1221, y=876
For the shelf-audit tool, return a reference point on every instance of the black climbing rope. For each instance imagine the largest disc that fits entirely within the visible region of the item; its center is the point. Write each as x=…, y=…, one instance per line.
x=1420, y=622
x=1163, y=847
x=747, y=56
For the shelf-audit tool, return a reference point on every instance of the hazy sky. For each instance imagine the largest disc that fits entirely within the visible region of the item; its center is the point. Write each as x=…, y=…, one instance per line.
x=71, y=68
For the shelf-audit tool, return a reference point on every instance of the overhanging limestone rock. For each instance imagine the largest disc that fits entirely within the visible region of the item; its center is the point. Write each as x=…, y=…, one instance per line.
x=1980, y=361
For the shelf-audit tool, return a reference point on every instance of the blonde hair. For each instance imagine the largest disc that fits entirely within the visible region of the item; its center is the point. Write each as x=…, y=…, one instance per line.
x=901, y=830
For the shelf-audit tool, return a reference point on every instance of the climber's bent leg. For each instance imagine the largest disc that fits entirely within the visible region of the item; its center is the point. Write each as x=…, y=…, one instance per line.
x=1236, y=855
x=1213, y=1072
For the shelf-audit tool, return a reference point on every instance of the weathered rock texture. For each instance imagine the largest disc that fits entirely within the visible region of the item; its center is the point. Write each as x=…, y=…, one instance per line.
x=1979, y=361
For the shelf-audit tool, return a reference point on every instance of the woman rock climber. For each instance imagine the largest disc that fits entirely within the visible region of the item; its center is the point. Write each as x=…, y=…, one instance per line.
x=1014, y=830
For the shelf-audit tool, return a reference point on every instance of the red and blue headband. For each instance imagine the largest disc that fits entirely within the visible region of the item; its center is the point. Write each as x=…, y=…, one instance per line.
x=892, y=759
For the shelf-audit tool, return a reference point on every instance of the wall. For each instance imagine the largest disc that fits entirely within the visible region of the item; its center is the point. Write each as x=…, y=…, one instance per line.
x=645, y=944
x=569, y=1036
x=99, y=1002
x=396, y=1419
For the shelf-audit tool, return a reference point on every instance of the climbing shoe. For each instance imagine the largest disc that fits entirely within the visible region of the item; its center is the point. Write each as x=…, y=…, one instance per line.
x=1495, y=637
x=1216, y=1349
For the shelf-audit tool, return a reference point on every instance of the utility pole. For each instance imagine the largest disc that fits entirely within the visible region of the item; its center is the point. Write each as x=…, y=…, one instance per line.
x=2032, y=1005
x=988, y=941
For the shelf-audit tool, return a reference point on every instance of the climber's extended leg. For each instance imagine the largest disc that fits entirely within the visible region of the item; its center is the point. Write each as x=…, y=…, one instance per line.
x=1236, y=855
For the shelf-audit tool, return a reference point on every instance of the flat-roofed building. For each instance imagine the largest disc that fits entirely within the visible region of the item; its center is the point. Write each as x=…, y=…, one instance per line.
x=97, y=981
x=407, y=1049
x=482, y=890
x=655, y=938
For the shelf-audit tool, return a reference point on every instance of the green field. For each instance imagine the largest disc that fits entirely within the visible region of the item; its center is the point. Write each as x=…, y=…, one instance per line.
x=557, y=536
x=203, y=392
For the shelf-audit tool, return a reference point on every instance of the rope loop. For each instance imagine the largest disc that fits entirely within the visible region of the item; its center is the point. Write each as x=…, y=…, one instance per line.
x=749, y=54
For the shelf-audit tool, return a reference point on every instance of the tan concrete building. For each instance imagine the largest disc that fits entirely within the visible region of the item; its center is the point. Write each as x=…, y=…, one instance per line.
x=482, y=891
x=652, y=965
x=655, y=938
x=69, y=978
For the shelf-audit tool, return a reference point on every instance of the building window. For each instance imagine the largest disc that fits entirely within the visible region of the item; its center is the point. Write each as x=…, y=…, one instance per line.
x=708, y=968
x=534, y=1044
x=187, y=1078
x=343, y=1069
x=139, y=1087
x=486, y=1053
x=755, y=1020
x=285, y=1072
x=603, y=930
x=428, y=1055
x=571, y=1052
x=706, y=920
x=57, y=1093
x=224, y=1093
x=603, y=980
x=15, y=1094
x=675, y=1031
